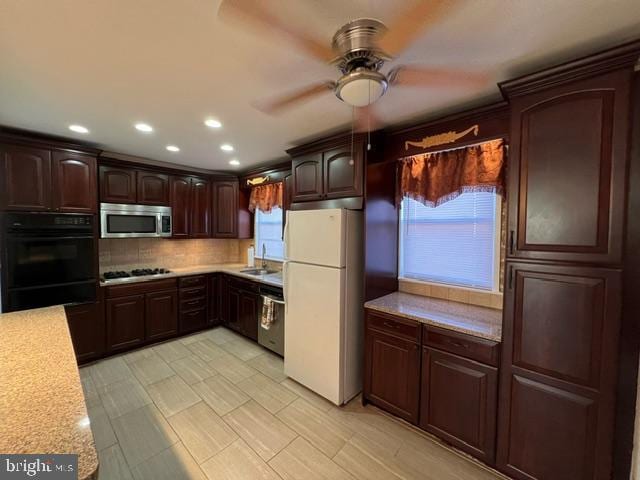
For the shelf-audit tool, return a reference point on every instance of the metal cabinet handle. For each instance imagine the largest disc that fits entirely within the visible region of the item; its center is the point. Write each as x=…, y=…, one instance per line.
x=458, y=344
x=390, y=325
x=511, y=242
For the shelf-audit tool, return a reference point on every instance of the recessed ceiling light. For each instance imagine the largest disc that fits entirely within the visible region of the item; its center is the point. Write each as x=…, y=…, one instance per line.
x=234, y=162
x=212, y=123
x=144, y=127
x=226, y=147
x=78, y=129
x=173, y=148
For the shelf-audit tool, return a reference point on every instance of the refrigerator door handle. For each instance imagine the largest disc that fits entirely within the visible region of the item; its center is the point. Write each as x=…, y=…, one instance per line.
x=286, y=237
x=285, y=284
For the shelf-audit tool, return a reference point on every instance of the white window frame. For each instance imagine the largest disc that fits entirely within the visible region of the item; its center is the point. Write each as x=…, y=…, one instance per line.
x=256, y=239
x=495, y=287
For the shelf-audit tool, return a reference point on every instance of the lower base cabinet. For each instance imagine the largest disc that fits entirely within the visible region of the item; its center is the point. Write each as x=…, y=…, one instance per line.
x=241, y=305
x=444, y=382
x=458, y=402
x=161, y=314
x=88, y=330
x=194, y=298
x=125, y=322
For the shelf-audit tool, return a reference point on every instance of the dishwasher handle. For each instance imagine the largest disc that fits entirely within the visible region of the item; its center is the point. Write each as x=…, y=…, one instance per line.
x=273, y=299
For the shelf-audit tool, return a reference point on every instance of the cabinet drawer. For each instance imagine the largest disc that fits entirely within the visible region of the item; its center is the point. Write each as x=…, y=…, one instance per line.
x=198, y=303
x=395, y=326
x=193, y=320
x=139, y=288
x=247, y=285
x=193, y=281
x=192, y=293
x=479, y=349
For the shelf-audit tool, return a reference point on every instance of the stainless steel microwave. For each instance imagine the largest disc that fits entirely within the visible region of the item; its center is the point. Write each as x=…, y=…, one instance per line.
x=122, y=220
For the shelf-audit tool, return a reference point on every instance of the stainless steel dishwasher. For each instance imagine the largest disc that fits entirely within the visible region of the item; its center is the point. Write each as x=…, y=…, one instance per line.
x=273, y=339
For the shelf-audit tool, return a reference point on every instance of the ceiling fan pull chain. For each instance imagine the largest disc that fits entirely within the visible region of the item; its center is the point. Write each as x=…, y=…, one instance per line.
x=353, y=126
x=369, y=121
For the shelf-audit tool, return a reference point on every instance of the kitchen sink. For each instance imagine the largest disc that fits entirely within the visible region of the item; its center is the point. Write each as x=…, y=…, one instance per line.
x=258, y=271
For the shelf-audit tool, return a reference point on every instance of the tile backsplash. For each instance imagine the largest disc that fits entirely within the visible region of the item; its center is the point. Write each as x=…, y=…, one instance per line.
x=167, y=253
x=454, y=294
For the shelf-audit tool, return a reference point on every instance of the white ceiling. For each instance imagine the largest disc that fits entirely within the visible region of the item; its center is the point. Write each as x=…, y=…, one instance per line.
x=107, y=64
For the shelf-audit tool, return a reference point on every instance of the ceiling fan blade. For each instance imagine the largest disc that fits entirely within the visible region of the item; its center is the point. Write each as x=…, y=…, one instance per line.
x=252, y=12
x=366, y=119
x=435, y=77
x=412, y=22
x=273, y=107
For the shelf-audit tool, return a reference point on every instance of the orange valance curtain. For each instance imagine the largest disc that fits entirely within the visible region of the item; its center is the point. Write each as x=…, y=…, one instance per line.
x=435, y=178
x=265, y=197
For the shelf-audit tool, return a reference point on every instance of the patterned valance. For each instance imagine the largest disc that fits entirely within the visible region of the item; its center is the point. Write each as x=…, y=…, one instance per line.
x=265, y=197
x=435, y=178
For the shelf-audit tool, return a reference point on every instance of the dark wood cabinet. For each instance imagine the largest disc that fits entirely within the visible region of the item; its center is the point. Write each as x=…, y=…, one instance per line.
x=74, y=182
x=392, y=370
x=458, y=402
x=88, y=330
x=214, y=299
x=200, y=225
x=161, y=314
x=567, y=171
x=152, y=188
x=342, y=170
x=233, y=309
x=307, y=177
x=558, y=372
x=26, y=178
x=117, y=185
x=225, y=209
x=125, y=322
x=194, y=298
x=180, y=206
x=248, y=313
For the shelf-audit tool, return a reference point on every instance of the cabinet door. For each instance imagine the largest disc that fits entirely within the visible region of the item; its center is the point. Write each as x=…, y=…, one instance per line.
x=75, y=186
x=214, y=299
x=287, y=199
x=88, y=330
x=558, y=373
x=343, y=172
x=307, y=177
x=458, y=402
x=233, y=310
x=117, y=185
x=249, y=314
x=392, y=374
x=200, y=208
x=125, y=322
x=567, y=171
x=153, y=188
x=225, y=209
x=161, y=314
x=26, y=178
x=193, y=320
x=180, y=206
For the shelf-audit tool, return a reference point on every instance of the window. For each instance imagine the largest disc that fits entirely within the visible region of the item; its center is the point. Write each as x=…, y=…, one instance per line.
x=456, y=243
x=268, y=232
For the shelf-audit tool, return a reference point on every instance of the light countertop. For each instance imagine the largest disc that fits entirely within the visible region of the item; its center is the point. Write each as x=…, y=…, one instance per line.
x=42, y=404
x=460, y=317
x=273, y=279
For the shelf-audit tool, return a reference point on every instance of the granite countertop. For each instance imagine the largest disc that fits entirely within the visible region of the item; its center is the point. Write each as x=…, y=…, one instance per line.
x=460, y=317
x=273, y=279
x=42, y=404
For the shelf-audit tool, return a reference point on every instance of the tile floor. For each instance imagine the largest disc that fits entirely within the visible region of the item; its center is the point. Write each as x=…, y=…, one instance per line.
x=217, y=406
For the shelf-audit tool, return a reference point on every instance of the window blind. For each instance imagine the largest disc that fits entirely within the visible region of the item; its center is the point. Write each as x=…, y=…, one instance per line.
x=268, y=232
x=454, y=243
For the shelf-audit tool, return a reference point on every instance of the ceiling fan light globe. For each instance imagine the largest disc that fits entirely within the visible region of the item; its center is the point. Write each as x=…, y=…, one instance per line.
x=361, y=88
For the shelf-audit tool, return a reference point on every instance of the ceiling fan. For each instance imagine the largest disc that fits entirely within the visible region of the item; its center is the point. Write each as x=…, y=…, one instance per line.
x=359, y=50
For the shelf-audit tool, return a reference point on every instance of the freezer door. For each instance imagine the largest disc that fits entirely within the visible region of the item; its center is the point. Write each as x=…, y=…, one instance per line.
x=313, y=328
x=316, y=237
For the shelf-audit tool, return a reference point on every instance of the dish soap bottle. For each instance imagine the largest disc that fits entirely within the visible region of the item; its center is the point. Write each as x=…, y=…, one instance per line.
x=251, y=256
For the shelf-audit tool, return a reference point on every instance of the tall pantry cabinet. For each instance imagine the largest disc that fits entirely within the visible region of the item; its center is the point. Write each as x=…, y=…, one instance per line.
x=569, y=140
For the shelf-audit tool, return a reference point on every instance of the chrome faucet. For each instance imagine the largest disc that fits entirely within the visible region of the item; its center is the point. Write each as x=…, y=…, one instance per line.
x=264, y=256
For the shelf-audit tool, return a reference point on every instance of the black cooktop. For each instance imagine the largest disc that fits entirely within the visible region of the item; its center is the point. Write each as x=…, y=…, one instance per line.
x=138, y=272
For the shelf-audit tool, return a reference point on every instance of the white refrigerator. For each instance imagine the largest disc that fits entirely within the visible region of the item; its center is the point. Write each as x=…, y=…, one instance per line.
x=323, y=289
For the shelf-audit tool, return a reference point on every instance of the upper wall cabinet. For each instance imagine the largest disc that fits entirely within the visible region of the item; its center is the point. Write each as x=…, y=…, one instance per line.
x=191, y=207
x=128, y=185
x=153, y=188
x=200, y=207
x=567, y=170
x=225, y=208
x=38, y=179
x=117, y=185
x=180, y=206
x=328, y=169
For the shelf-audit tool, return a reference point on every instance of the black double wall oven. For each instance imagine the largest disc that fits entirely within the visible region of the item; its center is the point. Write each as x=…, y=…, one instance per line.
x=49, y=260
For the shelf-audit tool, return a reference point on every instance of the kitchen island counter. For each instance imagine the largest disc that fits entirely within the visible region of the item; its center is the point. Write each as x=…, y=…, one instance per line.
x=42, y=405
